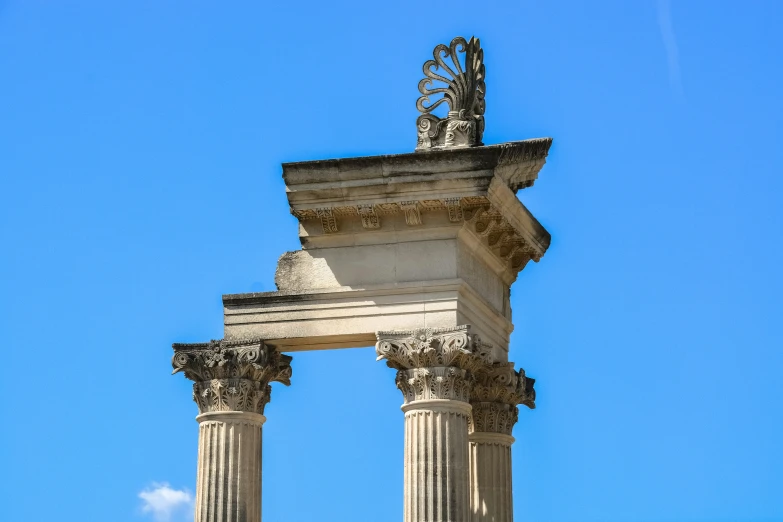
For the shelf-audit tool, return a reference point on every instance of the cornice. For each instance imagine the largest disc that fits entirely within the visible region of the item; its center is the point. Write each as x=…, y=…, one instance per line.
x=517, y=162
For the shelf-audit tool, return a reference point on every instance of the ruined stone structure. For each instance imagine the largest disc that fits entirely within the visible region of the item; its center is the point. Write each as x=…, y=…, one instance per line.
x=404, y=252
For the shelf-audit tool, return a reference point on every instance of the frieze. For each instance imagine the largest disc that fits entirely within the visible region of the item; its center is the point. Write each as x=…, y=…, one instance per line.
x=486, y=222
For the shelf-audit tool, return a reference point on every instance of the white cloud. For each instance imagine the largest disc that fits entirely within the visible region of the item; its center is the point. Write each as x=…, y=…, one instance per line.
x=161, y=501
x=670, y=44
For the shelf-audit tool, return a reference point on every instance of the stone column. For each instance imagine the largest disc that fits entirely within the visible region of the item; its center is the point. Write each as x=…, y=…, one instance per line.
x=231, y=388
x=435, y=373
x=494, y=399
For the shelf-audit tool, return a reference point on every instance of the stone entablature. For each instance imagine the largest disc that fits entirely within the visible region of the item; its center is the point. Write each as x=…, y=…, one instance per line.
x=467, y=195
x=344, y=317
x=231, y=376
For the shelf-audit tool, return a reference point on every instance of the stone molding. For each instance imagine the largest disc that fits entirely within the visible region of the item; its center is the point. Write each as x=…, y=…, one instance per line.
x=432, y=406
x=499, y=439
x=232, y=417
x=231, y=376
x=495, y=396
x=434, y=363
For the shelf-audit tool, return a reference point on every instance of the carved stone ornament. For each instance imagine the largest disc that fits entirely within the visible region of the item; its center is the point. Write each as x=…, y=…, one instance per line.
x=327, y=220
x=495, y=396
x=434, y=363
x=369, y=216
x=463, y=91
x=412, y=213
x=231, y=375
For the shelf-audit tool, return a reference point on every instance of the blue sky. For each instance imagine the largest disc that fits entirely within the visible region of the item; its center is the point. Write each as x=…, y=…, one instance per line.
x=140, y=151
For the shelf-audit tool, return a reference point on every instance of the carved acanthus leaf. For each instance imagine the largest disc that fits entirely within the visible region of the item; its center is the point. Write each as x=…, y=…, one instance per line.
x=493, y=417
x=231, y=395
x=495, y=396
x=440, y=382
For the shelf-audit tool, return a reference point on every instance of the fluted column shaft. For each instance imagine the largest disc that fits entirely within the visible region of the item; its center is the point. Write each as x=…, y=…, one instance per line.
x=491, y=497
x=228, y=482
x=436, y=483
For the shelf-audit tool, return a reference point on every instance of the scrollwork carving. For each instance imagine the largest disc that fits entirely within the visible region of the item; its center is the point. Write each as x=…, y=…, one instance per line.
x=428, y=347
x=231, y=375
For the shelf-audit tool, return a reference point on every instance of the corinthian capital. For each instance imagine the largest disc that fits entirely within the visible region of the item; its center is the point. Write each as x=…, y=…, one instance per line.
x=495, y=396
x=231, y=375
x=434, y=363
